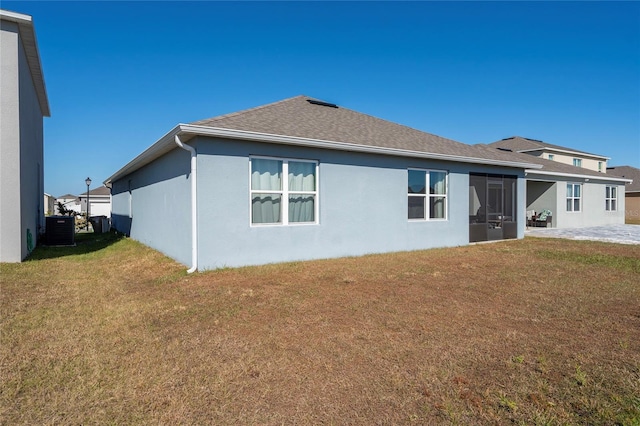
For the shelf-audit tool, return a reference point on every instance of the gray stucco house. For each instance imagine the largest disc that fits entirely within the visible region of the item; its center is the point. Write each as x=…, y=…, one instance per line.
x=572, y=184
x=304, y=179
x=23, y=105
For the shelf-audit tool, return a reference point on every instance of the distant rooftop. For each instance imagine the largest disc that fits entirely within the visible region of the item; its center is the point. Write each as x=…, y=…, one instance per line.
x=521, y=144
x=627, y=172
x=553, y=167
x=102, y=190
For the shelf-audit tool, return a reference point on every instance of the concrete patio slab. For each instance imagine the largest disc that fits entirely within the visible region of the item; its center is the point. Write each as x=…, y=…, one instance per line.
x=621, y=234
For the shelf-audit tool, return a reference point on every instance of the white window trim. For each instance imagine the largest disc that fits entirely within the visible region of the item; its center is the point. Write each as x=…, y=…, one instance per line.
x=285, y=192
x=427, y=196
x=574, y=198
x=577, y=162
x=610, y=199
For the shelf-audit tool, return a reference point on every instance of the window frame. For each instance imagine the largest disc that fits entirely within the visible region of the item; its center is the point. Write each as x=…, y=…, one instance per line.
x=285, y=192
x=573, y=198
x=427, y=195
x=552, y=157
x=611, y=202
x=577, y=162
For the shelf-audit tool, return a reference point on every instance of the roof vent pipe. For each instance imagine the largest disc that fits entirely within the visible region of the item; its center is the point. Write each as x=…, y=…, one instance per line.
x=194, y=204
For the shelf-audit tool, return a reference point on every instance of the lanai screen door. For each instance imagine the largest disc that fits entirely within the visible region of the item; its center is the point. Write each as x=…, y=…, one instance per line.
x=493, y=214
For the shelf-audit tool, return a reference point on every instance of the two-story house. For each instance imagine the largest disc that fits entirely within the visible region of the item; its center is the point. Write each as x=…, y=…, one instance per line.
x=552, y=152
x=573, y=185
x=23, y=106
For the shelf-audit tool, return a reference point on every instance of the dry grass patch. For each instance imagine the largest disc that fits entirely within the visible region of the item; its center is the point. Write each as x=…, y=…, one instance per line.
x=536, y=331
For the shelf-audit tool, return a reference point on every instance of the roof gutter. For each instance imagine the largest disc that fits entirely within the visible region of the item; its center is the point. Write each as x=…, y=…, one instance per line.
x=565, y=151
x=166, y=143
x=194, y=203
x=342, y=146
x=575, y=175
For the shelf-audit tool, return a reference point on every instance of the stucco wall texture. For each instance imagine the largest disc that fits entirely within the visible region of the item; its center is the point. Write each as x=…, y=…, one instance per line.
x=21, y=151
x=362, y=206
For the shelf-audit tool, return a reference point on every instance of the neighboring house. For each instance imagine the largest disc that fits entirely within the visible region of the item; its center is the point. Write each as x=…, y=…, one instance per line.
x=576, y=196
x=552, y=152
x=49, y=204
x=632, y=190
x=70, y=202
x=23, y=105
x=304, y=179
x=99, y=202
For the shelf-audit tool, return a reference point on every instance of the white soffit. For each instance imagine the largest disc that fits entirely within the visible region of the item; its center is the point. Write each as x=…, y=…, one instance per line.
x=28, y=37
x=166, y=144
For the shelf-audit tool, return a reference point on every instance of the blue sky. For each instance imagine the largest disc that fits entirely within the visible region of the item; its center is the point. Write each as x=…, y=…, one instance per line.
x=121, y=74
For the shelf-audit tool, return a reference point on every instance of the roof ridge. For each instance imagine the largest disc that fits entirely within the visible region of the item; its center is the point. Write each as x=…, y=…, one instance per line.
x=211, y=121
x=305, y=97
x=244, y=111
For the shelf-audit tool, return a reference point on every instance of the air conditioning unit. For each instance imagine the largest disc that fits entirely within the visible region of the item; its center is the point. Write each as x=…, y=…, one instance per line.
x=60, y=230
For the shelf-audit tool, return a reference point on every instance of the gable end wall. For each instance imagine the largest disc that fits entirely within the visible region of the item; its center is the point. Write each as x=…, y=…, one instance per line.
x=153, y=205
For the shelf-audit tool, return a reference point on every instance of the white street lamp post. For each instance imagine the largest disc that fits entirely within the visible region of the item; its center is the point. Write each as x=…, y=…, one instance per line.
x=88, y=182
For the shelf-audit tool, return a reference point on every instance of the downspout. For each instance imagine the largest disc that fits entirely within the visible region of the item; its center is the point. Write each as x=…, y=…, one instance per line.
x=194, y=205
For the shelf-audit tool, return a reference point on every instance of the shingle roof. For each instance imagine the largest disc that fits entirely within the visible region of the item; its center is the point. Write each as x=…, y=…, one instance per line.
x=629, y=173
x=66, y=196
x=102, y=190
x=306, y=117
x=306, y=121
x=518, y=143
